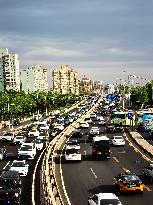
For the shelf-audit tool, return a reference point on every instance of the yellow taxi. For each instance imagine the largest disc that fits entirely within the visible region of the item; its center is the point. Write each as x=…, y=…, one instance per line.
x=128, y=182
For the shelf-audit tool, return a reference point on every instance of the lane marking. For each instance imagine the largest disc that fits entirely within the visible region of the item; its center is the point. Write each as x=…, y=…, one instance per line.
x=116, y=160
x=93, y=173
x=85, y=152
x=147, y=188
x=126, y=170
x=6, y=165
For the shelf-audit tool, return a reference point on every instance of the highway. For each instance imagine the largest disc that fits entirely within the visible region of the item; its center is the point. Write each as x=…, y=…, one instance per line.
x=82, y=179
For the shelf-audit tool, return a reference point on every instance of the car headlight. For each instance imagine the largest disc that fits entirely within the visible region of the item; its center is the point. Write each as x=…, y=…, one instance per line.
x=16, y=194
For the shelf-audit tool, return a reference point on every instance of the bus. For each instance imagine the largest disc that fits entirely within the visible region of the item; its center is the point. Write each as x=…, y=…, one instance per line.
x=122, y=119
x=144, y=116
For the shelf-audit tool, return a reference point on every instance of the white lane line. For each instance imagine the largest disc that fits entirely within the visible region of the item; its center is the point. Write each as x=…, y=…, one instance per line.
x=116, y=159
x=147, y=188
x=92, y=171
x=34, y=176
x=6, y=165
x=85, y=141
x=85, y=152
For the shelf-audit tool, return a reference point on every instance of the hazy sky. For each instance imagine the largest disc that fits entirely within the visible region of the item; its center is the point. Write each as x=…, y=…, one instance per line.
x=100, y=38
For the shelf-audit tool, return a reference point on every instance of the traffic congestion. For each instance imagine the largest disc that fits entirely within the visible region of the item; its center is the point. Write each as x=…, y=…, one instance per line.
x=108, y=169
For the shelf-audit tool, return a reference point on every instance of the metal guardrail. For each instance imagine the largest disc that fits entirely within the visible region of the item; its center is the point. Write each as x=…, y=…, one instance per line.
x=50, y=194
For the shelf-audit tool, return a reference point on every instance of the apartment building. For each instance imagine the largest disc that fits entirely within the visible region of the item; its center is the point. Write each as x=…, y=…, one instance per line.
x=34, y=78
x=9, y=71
x=65, y=80
x=86, y=85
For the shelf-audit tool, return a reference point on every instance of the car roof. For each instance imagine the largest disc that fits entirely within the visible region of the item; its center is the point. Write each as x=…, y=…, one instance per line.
x=107, y=196
x=10, y=174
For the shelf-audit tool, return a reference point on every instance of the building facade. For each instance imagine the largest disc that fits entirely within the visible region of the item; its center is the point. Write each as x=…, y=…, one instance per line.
x=86, y=85
x=65, y=80
x=34, y=78
x=9, y=71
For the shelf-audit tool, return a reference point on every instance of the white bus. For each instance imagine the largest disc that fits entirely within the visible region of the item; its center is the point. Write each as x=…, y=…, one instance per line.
x=72, y=152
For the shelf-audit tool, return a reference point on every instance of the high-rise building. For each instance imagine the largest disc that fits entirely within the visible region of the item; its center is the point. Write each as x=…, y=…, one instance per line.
x=65, y=80
x=9, y=71
x=34, y=78
x=86, y=85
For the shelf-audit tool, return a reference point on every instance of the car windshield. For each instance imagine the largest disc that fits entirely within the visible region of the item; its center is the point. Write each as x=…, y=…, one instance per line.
x=1, y=150
x=109, y=202
x=18, y=164
x=19, y=137
x=130, y=178
x=72, y=151
x=6, y=184
x=118, y=137
x=41, y=134
x=8, y=134
x=72, y=143
x=25, y=148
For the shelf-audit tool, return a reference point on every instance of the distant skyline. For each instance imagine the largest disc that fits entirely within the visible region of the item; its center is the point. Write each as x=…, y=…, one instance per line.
x=100, y=38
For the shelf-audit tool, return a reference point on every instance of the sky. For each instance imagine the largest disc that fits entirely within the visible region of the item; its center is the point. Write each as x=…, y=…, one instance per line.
x=99, y=38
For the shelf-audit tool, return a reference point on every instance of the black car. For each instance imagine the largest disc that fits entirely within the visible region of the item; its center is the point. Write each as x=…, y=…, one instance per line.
x=16, y=122
x=110, y=128
x=10, y=188
x=77, y=134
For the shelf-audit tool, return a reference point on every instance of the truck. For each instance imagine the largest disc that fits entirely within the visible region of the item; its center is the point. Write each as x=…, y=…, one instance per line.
x=101, y=147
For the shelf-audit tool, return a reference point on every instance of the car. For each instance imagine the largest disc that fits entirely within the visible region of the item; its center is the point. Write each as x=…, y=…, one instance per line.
x=143, y=128
x=151, y=133
x=72, y=142
x=104, y=198
x=117, y=140
x=33, y=133
x=19, y=139
x=84, y=125
x=10, y=188
x=101, y=122
x=43, y=135
x=128, y=182
x=93, y=115
x=77, y=133
x=148, y=172
x=94, y=130
x=7, y=136
x=3, y=153
x=16, y=122
x=20, y=166
x=100, y=118
x=39, y=144
x=27, y=150
x=59, y=127
x=88, y=120
x=42, y=126
x=110, y=128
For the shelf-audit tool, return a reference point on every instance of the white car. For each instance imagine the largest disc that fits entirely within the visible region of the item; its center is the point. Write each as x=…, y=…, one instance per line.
x=8, y=136
x=88, y=120
x=100, y=118
x=59, y=127
x=94, y=130
x=27, y=150
x=39, y=144
x=33, y=133
x=43, y=136
x=84, y=125
x=118, y=141
x=104, y=198
x=20, y=166
x=19, y=139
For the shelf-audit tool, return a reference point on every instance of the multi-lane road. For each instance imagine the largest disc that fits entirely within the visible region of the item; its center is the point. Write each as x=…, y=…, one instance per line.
x=82, y=179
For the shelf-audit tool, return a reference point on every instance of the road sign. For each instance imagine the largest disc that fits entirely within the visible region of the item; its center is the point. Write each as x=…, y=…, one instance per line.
x=131, y=115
